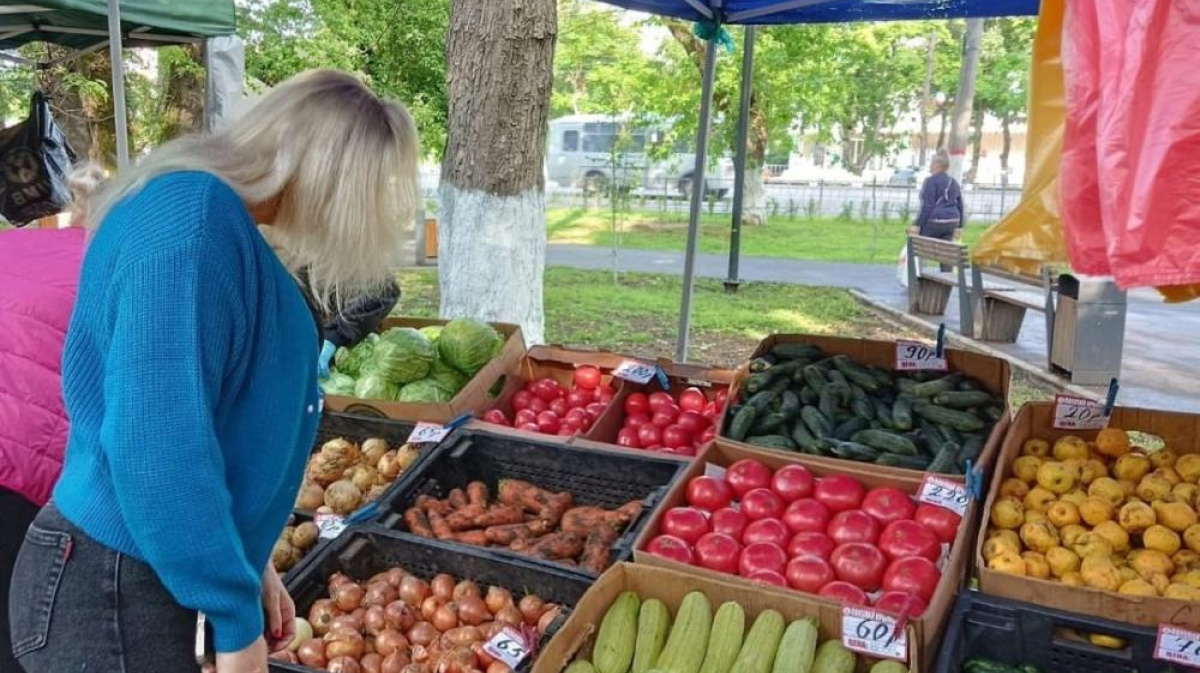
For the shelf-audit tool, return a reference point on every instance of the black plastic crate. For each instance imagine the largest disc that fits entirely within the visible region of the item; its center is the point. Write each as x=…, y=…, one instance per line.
x=361, y=552
x=1012, y=633
x=596, y=477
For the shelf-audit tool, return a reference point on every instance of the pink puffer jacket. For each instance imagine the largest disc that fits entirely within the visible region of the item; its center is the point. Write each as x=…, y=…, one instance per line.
x=39, y=275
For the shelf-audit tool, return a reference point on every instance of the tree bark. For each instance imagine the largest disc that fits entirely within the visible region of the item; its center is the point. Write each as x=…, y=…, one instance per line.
x=754, y=195
x=492, y=232
x=941, y=141
x=1005, y=127
x=964, y=97
x=976, y=142
x=183, y=83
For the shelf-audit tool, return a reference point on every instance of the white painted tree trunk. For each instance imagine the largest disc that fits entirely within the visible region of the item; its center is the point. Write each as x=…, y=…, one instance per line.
x=754, y=198
x=491, y=254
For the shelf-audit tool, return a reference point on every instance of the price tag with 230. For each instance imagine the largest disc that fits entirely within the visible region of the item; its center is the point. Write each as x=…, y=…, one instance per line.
x=944, y=493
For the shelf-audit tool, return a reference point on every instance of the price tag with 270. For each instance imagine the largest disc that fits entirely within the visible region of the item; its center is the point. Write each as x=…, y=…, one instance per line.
x=635, y=372
x=1077, y=413
x=428, y=433
x=873, y=632
x=508, y=647
x=329, y=526
x=944, y=493
x=1177, y=645
x=914, y=356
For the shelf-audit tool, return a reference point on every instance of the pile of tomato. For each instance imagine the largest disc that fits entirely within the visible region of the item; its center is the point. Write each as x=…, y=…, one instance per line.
x=828, y=536
x=663, y=423
x=548, y=407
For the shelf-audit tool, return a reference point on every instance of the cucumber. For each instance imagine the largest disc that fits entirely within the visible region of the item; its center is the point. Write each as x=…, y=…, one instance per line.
x=814, y=377
x=847, y=428
x=837, y=378
x=828, y=403
x=817, y=423
x=789, y=406
x=882, y=376
x=740, y=425
x=768, y=423
x=760, y=400
x=906, y=385
x=946, y=460
x=863, y=408
x=803, y=439
x=613, y=651
x=993, y=412
x=907, y=462
x=759, y=381
x=856, y=373
x=654, y=623
x=952, y=418
x=792, y=351
x=728, y=631
x=963, y=399
x=886, y=441
x=883, y=414
x=853, y=451
x=763, y=363
x=972, y=447
x=902, y=413
x=942, y=385
x=808, y=397
x=772, y=442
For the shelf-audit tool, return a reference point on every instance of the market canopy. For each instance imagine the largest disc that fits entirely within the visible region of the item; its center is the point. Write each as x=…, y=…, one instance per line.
x=828, y=11
x=80, y=24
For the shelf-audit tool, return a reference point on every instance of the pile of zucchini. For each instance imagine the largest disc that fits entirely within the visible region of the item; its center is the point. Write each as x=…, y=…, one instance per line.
x=799, y=399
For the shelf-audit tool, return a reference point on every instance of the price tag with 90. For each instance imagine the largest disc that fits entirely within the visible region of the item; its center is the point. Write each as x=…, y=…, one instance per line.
x=1177, y=645
x=914, y=356
x=944, y=493
x=1077, y=413
x=635, y=372
x=428, y=433
x=508, y=647
x=874, y=633
x=329, y=526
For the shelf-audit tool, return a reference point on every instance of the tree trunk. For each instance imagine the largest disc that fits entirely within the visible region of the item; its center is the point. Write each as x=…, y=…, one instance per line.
x=182, y=80
x=492, y=231
x=754, y=196
x=1005, y=125
x=941, y=143
x=976, y=142
x=964, y=97
x=926, y=93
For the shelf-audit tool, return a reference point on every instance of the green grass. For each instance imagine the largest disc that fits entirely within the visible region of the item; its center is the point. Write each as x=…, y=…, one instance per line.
x=827, y=239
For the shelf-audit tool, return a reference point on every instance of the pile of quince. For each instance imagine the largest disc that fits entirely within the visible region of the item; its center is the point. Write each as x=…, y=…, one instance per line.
x=1106, y=514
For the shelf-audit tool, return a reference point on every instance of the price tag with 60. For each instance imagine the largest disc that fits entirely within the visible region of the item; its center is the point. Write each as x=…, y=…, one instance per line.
x=873, y=632
x=428, y=433
x=914, y=356
x=1177, y=645
x=635, y=372
x=1077, y=413
x=329, y=526
x=508, y=647
x=944, y=493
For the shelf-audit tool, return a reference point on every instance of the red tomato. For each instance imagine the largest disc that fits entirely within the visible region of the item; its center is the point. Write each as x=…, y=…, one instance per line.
x=859, y=563
x=675, y=436
x=792, y=482
x=708, y=435
x=710, y=412
x=653, y=447
x=636, y=421
x=636, y=403
x=686, y=523
x=685, y=450
x=664, y=416
x=807, y=515
x=768, y=577
x=659, y=399
x=587, y=377
x=525, y=416
x=628, y=438
x=531, y=385
x=807, y=543
x=839, y=492
x=579, y=398
x=766, y=530
x=548, y=422
x=671, y=548
x=853, y=526
x=717, y=551
x=595, y=410
x=708, y=493
x=537, y=405
x=888, y=504
x=605, y=389
x=808, y=573
x=604, y=397
x=547, y=389
x=761, y=556
x=909, y=538
x=649, y=435
x=762, y=503
x=692, y=422
x=529, y=427
x=844, y=593
x=521, y=399
x=692, y=399
x=560, y=406
x=496, y=416
x=915, y=574
x=896, y=602
x=566, y=430
x=579, y=417
x=746, y=475
x=721, y=396
x=730, y=522
x=943, y=522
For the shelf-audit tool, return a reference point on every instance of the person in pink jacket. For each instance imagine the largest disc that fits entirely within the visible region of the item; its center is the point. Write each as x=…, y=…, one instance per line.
x=39, y=274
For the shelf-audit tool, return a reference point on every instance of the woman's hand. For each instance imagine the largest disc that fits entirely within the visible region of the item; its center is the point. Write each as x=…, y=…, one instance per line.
x=253, y=659
x=280, y=611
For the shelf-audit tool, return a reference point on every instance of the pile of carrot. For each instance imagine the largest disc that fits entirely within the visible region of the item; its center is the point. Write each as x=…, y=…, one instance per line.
x=524, y=519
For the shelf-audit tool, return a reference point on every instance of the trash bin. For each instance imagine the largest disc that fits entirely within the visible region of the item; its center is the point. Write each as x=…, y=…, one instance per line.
x=1089, y=330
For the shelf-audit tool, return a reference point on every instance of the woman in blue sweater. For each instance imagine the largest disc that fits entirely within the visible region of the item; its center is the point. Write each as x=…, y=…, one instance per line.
x=189, y=376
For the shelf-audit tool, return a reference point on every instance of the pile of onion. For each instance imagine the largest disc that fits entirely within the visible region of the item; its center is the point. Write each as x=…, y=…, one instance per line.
x=396, y=622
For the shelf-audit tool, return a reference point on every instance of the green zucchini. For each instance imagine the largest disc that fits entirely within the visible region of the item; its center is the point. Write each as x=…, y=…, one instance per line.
x=654, y=623
x=798, y=647
x=953, y=418
x=740, y=425
x=833, y=657
x=728, y=631
x=817, y=423
x=907, y=462
x=772, y=442
x=960, y=399
x=886, y=441
x=847, y=428
x=762, y=641
x=942, y=385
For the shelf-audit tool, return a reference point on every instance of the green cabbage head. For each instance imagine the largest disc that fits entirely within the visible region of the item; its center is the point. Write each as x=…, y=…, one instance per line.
x=338, y=384
x=374, y=386
x=468, y=345
x=447, y=377
x=432, y=331
x=403, y=355
x=425, y=390
x=352, y=360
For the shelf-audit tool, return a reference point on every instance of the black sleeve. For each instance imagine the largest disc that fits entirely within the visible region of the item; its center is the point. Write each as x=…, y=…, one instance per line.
x=361, y=316
x=928, y=199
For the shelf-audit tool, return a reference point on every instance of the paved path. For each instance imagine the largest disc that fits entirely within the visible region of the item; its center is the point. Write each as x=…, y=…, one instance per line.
x=1161, y=366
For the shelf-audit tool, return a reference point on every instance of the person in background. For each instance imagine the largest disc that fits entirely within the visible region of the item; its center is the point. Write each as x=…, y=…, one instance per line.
x=190, y=383
x=941, y=213
x=352, y=323
x=39, y=274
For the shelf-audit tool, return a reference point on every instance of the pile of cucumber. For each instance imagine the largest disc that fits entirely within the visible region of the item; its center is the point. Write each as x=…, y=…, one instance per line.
x=799, y=399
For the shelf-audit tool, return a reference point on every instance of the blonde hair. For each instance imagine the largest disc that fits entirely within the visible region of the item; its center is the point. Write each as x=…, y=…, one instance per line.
x=337, y=163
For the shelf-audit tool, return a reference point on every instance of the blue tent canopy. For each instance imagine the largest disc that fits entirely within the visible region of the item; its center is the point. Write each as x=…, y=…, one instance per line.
x=828, y=11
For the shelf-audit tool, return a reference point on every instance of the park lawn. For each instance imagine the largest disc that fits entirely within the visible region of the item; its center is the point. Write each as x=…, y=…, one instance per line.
x=792, y=237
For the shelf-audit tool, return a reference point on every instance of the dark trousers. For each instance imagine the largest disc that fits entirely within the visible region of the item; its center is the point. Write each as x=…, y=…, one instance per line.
x=16, y=513
x=79, y=606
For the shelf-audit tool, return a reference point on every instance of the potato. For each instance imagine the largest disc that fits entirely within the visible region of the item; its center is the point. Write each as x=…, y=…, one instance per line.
x=1186, y=559
x=1009, y=513
x=1062, y=561
x=1118, y=538
x=1160, y=538
x=1187, y=493
x=305, y=536
x=1132, y=467
x=282, y=556
x=1100, y=573
x=1092, y=470
x=1058, y=477
x=1188, y=467
x=343, y=497
x=1035, y=447
x=1039, y=499
x=1108, y=489
x=994, y=546
x=1136, y=517
x=1034, y=516
x=1075, y=496
x=1070, y=447
x=1039, y=536
x=1112, y=442
x=1182, y=592
x=1150, y=562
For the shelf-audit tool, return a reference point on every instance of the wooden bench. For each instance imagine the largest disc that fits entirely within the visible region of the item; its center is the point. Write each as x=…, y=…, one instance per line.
x=929, y=286
x=1002, y=299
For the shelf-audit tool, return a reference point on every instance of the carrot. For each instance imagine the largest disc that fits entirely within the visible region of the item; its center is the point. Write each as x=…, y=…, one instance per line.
x=499, y=515
x=473, y=537
x=597, y=550
x=584, y=519
x=441, y=529
x=511, y=533
x=417, y=522
x=464, y=519
x=432, y=504
x=477, y=493
x=556, y=546
x=457, y=498
x=629, y=511
x=556, y=507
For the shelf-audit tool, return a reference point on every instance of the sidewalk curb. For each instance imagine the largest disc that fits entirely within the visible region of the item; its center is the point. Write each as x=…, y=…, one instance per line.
x=930, y=327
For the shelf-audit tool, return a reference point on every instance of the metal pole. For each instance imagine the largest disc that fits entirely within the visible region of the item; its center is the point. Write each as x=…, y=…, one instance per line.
x=118, y=83
x=739, y=165
x=689, y=260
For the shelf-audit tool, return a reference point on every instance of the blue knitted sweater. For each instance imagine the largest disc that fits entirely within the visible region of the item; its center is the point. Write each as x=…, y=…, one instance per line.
x=189, y=376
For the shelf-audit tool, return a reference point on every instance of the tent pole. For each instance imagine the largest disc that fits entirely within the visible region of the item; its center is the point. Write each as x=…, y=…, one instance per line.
x=739, y=166
x=118, y=83
x=698, y=189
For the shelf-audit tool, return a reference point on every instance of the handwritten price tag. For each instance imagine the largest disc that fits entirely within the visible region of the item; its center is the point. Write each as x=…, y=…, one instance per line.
x=914, y=356
x=508, y=647
x=944, y=493
x=635, y=372
x=428, y=433
x=1177, y=645
x=874, y=633
x=1077, y=413
x=329, y=526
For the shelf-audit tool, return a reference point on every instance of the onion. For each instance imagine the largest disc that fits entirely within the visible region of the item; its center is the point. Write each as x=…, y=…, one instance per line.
x=388, y=465
x=369, y=645
x=394, y=663
x=311, y=653
x=482, y=658
x=371, y=663
x=446, y=617
x=395, y=576
x=348, y=597
x=377, y=577
x=429, y=607
x=498, y=667
x=497, y=598
x=464, y=636
x=344, y=665
x=472, y=611
x=420, y=654
x=399, y=616
x=304, y=631
x=490, y=629
x=375, y=620
x=349, y=622
x=414, y=668
x=547, y=618
x=510, y=615
x=336, y=580
x=380, y=593
x=457, y=660
x=466, y=588
x=531, y=608
x=413, y=590
x=286, y=656
x=373, y=449
x=389, y=641
x=321, y=615
x=343, y=642
x=422, y=633
x=443, y=587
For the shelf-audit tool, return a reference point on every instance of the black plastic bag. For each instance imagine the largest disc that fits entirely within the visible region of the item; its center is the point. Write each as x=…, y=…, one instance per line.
x=35, y=159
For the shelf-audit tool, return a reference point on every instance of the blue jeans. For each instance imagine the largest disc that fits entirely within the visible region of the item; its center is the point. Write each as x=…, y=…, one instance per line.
x=77, y=606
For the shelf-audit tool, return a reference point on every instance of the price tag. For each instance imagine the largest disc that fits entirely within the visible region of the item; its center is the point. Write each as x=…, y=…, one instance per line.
x=944, y=493
x=428, y=433
x=711, y=470
x=874, y=633
x=1077, y=413
x=635, y=372
x=508, y=647
x=1177, y=645
x=914, y=356
x=329, y=526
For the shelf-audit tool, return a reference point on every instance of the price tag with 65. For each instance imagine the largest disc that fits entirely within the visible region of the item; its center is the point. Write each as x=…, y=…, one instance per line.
x=635, y=372
x=428, y=433
x=1077, y=413
x=1177, y=645
x=508, y=647
x=914, y=356
x=944, y=493
x=873, y=632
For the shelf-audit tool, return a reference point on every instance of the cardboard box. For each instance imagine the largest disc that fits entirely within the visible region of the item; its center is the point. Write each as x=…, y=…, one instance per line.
x=724, y=453
x=670, y=586
x=1035, y=420
x=472, y=398
x=993, y=373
